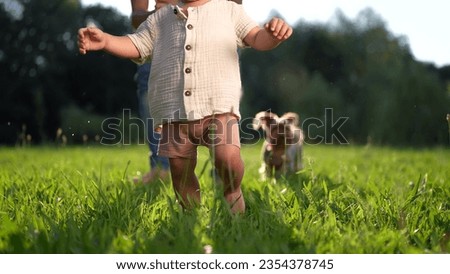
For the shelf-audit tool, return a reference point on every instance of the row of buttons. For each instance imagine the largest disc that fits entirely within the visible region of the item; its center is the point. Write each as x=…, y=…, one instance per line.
x=188, y=70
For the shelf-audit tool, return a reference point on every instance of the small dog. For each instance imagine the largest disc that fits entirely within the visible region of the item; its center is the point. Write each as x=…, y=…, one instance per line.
x=283, y=146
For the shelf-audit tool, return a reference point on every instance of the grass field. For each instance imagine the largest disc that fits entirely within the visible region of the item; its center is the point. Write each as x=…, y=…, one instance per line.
x=346, y=200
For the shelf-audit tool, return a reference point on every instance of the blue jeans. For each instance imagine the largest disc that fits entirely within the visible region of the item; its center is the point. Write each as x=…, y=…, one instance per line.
x=143, y=72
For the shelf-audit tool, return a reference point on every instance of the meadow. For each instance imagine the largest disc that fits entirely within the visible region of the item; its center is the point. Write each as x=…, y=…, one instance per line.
x=348, y=199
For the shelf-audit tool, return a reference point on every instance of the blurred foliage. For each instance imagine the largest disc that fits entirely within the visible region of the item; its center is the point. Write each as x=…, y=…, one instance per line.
x=357, y=68
x=41, y=71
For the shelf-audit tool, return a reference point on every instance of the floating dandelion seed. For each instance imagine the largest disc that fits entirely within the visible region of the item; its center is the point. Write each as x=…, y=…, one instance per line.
x=85, y=138
x=91, y=23
x=208, y=249
x=59, y=132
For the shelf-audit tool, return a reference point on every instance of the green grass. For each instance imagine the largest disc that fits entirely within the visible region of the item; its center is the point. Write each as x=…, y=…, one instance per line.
x=346, y=200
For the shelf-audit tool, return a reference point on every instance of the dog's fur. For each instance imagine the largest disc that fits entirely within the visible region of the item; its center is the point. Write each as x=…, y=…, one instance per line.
x=283, y=146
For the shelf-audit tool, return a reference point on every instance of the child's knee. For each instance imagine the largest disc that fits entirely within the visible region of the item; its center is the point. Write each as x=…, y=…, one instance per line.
x=228, y=161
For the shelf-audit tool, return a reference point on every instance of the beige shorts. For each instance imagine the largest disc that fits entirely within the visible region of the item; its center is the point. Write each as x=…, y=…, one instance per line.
x=181, y=139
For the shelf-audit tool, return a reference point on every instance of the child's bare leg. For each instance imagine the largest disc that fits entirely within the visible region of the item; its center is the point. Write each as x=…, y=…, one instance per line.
x=230, y=167
x=184, y=181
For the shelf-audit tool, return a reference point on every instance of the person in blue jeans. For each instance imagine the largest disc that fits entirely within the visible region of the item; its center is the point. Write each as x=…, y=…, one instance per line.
x=159, y=166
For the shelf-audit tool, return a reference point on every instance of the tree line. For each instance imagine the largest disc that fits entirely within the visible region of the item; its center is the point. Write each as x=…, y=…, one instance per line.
x=349, y=80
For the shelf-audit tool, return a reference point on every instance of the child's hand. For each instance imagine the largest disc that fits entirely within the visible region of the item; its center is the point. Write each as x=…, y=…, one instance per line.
x=90, y=39
x=279, y=29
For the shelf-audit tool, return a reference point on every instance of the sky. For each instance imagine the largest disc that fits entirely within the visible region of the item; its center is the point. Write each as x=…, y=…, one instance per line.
x=424, y=23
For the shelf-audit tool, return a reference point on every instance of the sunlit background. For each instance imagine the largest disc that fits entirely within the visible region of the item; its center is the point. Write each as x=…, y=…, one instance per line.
x=382, y=66
x=424, y=23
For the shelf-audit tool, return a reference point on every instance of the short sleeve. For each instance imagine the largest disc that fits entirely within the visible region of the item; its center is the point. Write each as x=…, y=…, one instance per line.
x=243, y=23
x=143, y=40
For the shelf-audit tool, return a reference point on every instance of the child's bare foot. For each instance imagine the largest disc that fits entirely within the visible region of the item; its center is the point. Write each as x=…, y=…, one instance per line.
x=152, y=176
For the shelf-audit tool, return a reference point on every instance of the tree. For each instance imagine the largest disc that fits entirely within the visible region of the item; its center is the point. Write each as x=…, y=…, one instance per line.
x=361, y=71
x=42, y=72
x=357, y=68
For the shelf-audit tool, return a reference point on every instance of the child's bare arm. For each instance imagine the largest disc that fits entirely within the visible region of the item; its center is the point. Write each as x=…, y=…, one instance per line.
x=273, y=33
x=139, y=10
x=92, y=39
